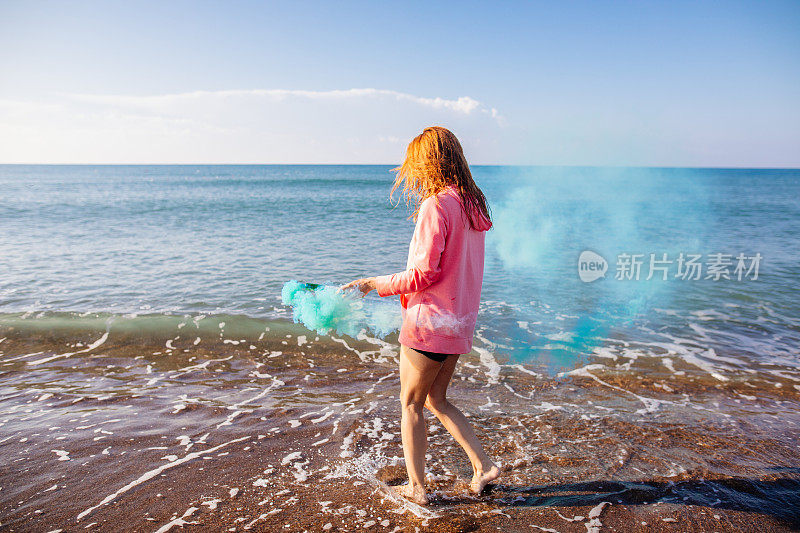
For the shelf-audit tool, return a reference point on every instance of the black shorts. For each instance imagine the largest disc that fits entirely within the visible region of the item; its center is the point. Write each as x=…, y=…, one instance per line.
x=438, y=357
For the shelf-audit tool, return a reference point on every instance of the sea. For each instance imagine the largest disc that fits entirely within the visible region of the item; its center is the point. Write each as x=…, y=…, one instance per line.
x=639, y=330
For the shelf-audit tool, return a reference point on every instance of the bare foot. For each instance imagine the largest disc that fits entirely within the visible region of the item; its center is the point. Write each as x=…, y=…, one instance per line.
x=481, y=479
x=417, y=496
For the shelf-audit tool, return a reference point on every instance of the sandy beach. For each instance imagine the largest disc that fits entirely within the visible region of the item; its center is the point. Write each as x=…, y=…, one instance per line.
x=280, y=431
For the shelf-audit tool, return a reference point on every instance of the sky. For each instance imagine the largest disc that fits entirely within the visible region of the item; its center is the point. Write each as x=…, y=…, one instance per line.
x=608, y=83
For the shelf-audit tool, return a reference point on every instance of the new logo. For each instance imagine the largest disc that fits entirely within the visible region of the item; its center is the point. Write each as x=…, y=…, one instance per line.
x=591, y=266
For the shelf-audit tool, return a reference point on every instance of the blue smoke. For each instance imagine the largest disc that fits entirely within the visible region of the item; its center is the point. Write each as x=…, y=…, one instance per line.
x=543, y=220
x=325, y=309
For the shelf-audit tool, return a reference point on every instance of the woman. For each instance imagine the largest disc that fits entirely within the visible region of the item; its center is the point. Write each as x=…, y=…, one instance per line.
x=439, y=296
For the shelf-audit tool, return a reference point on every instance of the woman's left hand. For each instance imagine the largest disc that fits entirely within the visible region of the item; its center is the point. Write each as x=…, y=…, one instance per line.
x=364, y=285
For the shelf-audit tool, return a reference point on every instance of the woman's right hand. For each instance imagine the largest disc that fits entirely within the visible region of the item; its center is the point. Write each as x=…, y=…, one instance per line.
x=365, y=285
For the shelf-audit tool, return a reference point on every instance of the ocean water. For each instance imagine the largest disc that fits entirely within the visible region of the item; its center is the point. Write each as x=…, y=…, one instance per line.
x=151, y=375
x=125, y=241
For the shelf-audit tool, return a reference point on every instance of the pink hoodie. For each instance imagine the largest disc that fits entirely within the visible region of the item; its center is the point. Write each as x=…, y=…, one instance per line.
x=441, y=288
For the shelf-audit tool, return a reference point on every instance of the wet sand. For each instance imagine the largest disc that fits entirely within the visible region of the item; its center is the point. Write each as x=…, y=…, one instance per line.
x=285, y=431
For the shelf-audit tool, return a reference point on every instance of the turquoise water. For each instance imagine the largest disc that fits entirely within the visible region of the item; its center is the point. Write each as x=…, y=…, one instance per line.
x=222, y=240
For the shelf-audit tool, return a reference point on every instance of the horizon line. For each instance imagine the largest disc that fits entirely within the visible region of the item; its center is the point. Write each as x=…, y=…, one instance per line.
x=709, y=167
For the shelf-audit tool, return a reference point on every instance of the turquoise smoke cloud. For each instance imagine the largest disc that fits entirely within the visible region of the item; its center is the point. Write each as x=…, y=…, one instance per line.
x=325, y=309
x=545, y=218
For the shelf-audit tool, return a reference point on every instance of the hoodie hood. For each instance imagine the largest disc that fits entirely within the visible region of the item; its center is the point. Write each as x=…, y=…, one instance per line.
x=481, y=222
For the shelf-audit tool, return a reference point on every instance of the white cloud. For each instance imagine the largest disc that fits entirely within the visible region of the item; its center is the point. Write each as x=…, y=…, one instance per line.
x=258, y=125
x=463, y=104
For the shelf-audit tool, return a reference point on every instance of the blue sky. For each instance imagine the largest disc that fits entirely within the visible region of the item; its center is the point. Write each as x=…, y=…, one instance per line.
x=564, y=83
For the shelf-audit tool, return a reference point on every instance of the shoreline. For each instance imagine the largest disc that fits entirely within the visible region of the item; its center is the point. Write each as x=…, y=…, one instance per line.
x=145, y=432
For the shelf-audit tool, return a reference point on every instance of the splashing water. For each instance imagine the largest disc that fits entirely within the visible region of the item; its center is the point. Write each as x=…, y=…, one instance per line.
x=324, y=308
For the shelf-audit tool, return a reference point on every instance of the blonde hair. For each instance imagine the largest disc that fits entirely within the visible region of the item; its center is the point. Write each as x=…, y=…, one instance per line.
x=435, y=160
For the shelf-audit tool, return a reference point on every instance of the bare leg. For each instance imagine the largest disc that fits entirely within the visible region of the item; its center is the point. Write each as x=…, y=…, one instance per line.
x=484, y=469
x=417, y=373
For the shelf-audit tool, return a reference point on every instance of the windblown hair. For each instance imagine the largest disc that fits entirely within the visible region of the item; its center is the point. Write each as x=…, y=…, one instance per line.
x=435, y=160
